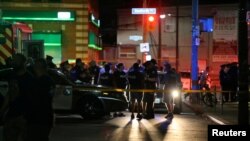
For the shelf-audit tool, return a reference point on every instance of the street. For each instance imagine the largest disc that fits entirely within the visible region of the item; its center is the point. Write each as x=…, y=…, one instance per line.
x=184, y=127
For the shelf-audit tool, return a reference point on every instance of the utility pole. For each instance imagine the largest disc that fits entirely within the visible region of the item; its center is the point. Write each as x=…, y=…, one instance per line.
x=243, y=113
x=177, y=36
x=195, y=44
x=159, y=36
x=144, y=28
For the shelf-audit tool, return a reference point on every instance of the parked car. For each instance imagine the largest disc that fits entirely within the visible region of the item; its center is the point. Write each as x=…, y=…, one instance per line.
x=84, y=99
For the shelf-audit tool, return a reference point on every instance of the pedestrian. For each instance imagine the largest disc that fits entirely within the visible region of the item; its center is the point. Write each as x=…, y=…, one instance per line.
x=16, y=103
x=49, y=60
x=151, y=79
x=225, y=82
x=136, y=81
x=233, y=73
x=40, y=117
x=171, y=82
x=203, y=79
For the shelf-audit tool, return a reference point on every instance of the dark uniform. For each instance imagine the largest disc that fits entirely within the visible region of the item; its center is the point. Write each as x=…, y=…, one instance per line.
x=120, y=82
x=120, y=78
x=136, y=81
x=94, y=72
x=151, y=77
x=106, y=78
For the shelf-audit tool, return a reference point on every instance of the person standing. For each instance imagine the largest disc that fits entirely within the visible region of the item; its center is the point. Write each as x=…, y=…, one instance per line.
x=94, y=71
x=233, y=73
x=225, y=82
x=106, y=78
x=49, y=60
x=172, y=82
x=136, y=81
x=40, y=116
x=120, y=81
x=151, y=79
x=16, y=102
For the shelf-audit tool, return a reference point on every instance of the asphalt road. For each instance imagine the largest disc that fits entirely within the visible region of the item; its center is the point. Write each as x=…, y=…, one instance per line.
x=184, y=127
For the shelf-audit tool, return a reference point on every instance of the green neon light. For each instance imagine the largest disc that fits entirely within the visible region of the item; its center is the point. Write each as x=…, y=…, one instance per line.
x=37, y=19
x=95, y=21
x=52, y=44
x=94, y=46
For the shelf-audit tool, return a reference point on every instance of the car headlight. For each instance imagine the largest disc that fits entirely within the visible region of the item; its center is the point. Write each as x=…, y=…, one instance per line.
x=175, y=93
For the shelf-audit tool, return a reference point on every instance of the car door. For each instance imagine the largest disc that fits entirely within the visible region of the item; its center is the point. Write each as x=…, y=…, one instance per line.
x=63, y=91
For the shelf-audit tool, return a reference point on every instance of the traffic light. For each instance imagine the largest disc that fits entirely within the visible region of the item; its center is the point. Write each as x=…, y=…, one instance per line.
x=151, y=23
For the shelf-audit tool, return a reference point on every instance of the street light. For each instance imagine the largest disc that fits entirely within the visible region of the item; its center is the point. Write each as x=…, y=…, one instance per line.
x=162, y=16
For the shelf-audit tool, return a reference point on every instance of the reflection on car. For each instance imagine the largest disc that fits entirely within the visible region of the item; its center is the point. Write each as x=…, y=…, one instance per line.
x=84, y=99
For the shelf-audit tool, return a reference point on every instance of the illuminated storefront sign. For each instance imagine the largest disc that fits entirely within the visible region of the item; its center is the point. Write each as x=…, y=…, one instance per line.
x=20, y=15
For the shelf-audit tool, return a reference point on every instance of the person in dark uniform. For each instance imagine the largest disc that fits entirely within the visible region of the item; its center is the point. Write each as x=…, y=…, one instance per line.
x=50, y=62
x=136, y=81
x=94, y=71
x=120, y=82
x=233, y=72
x=79, y=72
x=151, y=79
x=40, y=118
x=106, y=78
x=172, y=81
x=225, y=82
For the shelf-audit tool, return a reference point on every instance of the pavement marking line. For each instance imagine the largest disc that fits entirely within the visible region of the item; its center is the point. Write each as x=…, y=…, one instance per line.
x=216, y=120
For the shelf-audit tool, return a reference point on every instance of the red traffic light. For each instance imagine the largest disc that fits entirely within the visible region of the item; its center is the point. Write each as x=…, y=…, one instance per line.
x=151, y=18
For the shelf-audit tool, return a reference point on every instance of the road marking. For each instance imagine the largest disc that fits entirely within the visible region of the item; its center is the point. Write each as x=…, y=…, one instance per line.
x=216, y=120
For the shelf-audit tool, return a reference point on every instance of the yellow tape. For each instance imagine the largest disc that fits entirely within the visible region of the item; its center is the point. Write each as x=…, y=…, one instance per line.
x=146, y=90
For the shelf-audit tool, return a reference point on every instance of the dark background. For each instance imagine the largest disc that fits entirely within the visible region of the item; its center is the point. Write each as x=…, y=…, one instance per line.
x=108, y=14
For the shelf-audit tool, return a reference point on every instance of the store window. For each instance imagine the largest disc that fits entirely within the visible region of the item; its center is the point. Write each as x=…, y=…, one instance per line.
x=52, y=44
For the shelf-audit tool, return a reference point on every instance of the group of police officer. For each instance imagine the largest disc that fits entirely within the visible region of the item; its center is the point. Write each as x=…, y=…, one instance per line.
x=141, y=77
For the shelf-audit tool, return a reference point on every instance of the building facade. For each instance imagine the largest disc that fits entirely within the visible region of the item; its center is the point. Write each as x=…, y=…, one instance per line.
x=70, y=29
x=218, y=40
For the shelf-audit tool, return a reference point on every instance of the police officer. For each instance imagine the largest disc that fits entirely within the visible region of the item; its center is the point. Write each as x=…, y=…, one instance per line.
x=172, y=81
x=94, y=71
x=120, y=82
x=50, y=62
x=136, y=81
x=106, y=78
x=151, y=78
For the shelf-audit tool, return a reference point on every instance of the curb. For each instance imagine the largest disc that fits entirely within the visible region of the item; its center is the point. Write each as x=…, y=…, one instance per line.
x=199, y=111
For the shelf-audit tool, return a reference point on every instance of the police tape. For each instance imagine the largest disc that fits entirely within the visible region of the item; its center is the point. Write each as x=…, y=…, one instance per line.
x=150, y=90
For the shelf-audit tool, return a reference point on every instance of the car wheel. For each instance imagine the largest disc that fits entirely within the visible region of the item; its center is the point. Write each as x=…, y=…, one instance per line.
x=91, y=107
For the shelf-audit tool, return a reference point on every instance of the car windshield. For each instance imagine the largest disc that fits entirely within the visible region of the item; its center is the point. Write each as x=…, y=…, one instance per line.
x=59, y=77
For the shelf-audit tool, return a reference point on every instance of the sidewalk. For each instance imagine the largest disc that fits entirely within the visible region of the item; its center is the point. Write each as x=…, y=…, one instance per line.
x=225, y=114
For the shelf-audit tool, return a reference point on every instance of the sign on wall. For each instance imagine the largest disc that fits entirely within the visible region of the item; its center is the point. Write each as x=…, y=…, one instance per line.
x=225, y=36
x=140, y=11
x=144, y=47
